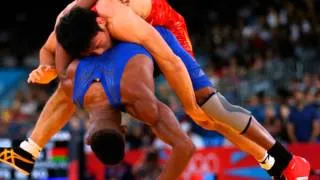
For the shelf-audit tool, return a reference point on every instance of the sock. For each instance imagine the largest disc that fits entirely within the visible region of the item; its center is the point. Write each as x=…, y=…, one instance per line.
x=282, y=158
x=31, y=147
x=267, y=162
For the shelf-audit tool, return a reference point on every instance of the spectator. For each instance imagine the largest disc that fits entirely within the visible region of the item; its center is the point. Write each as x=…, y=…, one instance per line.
x=303, y=123
x=271, y=122
x=284, y=112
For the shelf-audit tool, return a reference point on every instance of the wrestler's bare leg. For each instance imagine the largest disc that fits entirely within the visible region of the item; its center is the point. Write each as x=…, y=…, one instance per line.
x=241, y=142
x=273, y=155
x=56, y=113
x=255, y=132
x=220, y=110
x=137, y=91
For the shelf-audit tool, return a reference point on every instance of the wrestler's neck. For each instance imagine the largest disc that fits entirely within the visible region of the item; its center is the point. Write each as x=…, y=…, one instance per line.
x=140, y=7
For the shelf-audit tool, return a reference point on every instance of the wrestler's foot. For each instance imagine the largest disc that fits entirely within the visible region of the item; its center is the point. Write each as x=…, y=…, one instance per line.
x=297, y=169
x=17, y=158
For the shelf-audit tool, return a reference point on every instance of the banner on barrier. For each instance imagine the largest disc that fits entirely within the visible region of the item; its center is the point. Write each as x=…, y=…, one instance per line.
x=225, y=163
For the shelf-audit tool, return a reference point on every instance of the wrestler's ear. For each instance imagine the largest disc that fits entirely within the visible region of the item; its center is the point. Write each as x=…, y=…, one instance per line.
x=101, y=22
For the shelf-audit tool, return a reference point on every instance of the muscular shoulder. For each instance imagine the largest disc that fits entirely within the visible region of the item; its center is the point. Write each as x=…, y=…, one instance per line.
x=65, y=11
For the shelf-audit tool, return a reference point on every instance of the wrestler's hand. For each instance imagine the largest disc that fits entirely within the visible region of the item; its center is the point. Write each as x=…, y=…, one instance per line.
x=44, y=74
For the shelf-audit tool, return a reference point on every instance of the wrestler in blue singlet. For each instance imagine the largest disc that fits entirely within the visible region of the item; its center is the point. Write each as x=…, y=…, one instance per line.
x=108, y=68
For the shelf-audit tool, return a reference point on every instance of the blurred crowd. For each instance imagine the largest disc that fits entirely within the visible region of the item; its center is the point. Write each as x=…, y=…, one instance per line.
x=261, y=55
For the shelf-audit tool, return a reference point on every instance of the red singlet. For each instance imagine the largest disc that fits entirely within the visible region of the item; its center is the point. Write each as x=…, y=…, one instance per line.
x=162, y=14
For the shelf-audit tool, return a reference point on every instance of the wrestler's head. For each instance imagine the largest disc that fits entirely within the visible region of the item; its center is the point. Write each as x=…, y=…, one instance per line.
x=106, y=136
x=81, y=33
x=108, y=145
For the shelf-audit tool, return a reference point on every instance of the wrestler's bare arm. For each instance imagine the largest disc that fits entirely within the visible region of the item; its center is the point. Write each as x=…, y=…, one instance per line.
x=47, y=51
x=125, y=25
x=169, y=131
x=140, y=102
x=46, y=71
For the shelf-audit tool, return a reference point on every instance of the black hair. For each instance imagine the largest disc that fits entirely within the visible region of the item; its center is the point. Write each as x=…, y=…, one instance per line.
x=76, y=30
x=109, y=146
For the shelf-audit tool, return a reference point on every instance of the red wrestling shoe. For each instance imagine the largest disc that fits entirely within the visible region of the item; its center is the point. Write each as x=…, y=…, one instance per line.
x=297, y=169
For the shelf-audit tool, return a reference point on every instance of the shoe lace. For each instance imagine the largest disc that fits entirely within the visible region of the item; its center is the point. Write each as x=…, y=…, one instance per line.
x=9, y=155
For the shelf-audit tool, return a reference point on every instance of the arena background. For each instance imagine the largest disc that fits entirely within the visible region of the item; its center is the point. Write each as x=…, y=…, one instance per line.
x=263, y=55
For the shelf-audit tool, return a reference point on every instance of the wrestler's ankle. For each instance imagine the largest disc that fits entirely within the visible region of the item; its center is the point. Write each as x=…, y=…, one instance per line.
x=31, y=147
x=282, y=158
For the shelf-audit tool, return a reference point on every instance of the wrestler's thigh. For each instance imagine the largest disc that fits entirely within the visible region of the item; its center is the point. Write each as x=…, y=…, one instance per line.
x=137, y=89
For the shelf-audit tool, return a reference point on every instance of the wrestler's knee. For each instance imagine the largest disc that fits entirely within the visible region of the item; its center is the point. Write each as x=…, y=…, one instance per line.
x=223, y=111
x=108, y=145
